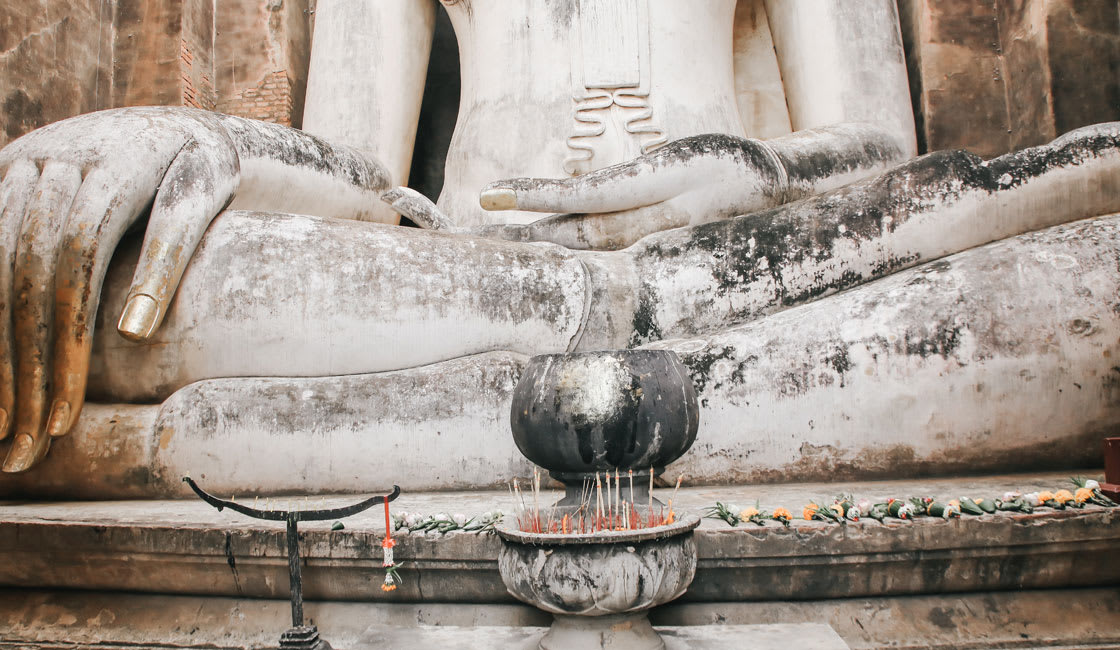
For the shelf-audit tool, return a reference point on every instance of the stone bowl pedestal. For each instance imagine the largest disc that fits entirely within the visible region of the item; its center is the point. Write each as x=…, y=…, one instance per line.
x=599, y=586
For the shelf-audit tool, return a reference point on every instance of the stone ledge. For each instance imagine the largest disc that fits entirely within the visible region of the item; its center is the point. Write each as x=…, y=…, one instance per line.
x=184, y=547
x=109, y=621
x=1072, y=618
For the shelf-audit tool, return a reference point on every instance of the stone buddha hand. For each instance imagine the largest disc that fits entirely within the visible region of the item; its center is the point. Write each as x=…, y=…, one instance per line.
x=70, y=192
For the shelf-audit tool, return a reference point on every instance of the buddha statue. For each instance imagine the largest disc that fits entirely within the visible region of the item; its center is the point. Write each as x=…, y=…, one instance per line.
x=732, y=180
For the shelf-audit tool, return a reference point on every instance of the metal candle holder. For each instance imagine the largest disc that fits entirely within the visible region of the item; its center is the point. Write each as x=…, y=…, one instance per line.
x=299, y=636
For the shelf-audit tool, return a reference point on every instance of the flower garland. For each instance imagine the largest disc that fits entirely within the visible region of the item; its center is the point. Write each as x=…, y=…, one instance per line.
x=843, y=508
x=444, y=523
x=392, y=578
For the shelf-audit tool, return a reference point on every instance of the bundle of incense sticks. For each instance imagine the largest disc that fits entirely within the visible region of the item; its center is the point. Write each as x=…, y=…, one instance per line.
x=597, y=511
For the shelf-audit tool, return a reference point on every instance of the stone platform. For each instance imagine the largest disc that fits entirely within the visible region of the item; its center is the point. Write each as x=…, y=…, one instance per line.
x=1052, y=618
x=68, y=557
x=36, y=619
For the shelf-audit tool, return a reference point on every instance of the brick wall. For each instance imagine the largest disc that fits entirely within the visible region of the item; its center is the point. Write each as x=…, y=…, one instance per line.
x=196, y=84
x=271, y=100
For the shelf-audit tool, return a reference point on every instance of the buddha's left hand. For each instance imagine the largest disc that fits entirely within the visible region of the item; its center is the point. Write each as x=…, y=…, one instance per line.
x=689, y=181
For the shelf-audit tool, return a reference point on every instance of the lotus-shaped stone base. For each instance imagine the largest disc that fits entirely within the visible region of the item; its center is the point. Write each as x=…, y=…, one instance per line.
x=599, y=586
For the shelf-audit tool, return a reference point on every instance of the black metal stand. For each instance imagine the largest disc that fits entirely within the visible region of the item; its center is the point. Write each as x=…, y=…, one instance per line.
x=304, y=637
x=299, y=636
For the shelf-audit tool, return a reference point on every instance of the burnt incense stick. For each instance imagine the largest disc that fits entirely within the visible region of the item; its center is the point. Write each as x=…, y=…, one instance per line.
x=610, y=502
x=509, y=486
x=630, y=472
x=679, y=479
x=598, y=502
x=536, y=497
x=617, y=494
x=521, y=497
x=586, y=507
x=649, y=512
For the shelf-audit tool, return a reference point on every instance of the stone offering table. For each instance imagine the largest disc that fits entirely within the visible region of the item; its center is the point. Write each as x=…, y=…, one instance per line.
x=875, y=584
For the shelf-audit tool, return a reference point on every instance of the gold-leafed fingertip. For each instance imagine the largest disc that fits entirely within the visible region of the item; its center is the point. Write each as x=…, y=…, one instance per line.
x=59, y=422
x=498, y=198
x=139, y=317
x=21, y=456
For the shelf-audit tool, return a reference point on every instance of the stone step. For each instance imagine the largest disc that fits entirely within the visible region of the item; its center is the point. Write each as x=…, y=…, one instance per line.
x=186, y=547
x=117, y=620
x=1053, y=618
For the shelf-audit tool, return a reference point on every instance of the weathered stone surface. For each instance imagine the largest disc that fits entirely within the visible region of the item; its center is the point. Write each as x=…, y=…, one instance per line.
x=1018, y=618
x=866, y=392
x=589, y=576
x=1013, y=619
x=55, y=62
x=1023, y=392
x=118, y=620
x=992, y=76
x=1064, y=618
x=444, y=425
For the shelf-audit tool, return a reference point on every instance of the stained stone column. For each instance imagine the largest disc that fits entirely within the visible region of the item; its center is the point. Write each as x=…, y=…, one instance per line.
x=163, y=53
x=61, y=58
x=55, y=61
x=993, y=76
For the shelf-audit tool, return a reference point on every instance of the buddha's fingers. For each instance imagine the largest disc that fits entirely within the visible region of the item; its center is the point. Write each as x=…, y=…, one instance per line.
x=199, y=183
x=108, y=203
x=15, y=192
x=654, y=177
x=36, y=256
x=407, y=202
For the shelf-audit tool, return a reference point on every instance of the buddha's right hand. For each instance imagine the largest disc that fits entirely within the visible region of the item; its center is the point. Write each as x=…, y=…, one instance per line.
x=70, y=191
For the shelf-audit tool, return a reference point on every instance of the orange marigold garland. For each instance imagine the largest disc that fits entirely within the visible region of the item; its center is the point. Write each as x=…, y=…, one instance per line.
x=392, y=578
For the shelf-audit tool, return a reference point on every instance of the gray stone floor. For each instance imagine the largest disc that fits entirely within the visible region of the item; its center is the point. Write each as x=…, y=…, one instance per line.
x=1068, y=618
x=802, y=636
x=39, y=619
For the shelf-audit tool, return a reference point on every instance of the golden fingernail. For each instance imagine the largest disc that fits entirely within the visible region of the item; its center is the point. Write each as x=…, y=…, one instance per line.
x=59, y=422
x=498, y=198
x=139, y=317
x=22, y=454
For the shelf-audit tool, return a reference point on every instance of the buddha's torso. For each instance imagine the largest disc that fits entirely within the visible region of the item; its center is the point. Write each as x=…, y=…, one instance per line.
x=554, y=88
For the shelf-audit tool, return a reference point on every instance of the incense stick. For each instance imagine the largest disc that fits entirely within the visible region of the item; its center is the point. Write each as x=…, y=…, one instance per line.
x=536, y=496
x=617, y=495
x=679, y=479
x=610, y=503
x=631, y=508
x=598, y=502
